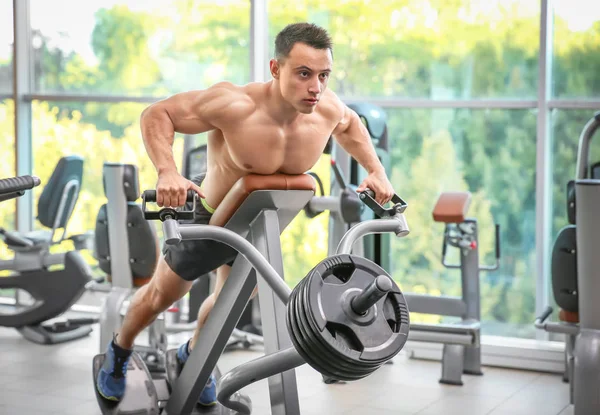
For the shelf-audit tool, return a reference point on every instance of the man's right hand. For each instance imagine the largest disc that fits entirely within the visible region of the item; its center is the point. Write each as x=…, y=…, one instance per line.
x=172, y=188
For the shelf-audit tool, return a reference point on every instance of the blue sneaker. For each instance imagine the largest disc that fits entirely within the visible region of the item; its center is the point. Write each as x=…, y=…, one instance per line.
x=208, y=397
x=111, y=377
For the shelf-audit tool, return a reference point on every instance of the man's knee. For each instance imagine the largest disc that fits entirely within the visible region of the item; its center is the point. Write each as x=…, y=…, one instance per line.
x=165, y=288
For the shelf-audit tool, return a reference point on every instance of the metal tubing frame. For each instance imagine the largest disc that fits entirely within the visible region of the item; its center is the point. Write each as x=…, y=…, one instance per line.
x=228, y=309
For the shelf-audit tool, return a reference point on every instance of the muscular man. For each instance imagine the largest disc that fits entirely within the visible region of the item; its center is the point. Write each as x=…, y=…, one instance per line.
x=279, y=126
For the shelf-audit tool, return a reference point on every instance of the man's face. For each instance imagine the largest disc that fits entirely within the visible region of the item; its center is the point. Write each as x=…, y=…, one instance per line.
x=303, y=76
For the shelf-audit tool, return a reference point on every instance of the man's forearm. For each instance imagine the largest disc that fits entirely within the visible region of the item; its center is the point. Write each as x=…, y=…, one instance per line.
x=158, y=134
x=362, y=150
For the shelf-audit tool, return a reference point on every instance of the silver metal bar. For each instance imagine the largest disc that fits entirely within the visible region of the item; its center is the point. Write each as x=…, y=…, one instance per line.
x=253, y=371
x=464, y=327
x=22, y=84
x=116, y=215
x=91, y=98
x=583, y=153
x=435, y=337
x=214, y=336
x=396, y=225
x=543, y=163
x=438, y=305
x=283, y=389
x=558, y=327
x=592, y=104
x=323, y=203
x=245, y=248
x=259, y=36
x=430, y=103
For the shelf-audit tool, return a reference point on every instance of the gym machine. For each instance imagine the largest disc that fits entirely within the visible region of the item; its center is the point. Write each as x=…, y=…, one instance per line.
x=461, y=352
x=127, y=250
x=54, y=281
x=461, y=340
x=363, y=324
x=248, y=332
x=576, y=280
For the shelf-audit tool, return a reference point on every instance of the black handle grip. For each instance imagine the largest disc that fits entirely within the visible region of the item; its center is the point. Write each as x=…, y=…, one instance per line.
x=368, y=198
x=150, y=196
x=497, y=240
x=18, y=184
x=545, y=314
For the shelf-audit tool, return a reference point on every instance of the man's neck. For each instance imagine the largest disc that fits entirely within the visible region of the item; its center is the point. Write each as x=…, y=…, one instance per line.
x=279, y=108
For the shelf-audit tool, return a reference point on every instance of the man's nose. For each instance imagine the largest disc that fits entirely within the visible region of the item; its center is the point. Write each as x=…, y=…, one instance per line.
x=314, y=87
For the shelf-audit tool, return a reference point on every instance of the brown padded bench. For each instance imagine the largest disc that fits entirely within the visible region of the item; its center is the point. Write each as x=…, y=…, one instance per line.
x=253, y=182
x=568, y=316
x=452, y=207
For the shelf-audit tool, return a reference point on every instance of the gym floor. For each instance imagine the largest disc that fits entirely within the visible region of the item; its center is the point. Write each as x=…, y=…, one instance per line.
x=42, y=380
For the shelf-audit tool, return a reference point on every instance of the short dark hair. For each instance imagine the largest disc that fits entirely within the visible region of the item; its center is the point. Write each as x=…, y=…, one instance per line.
x=307, y=33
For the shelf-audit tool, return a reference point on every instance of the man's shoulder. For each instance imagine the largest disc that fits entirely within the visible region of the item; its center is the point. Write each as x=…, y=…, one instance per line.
x=234, y=98
x=332, y=106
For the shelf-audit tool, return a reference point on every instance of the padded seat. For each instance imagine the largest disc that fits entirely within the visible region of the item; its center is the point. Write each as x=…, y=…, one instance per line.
x=568, y=316
x=37, y=238
x=452, y=207
x=254, y=182
x=141, y=235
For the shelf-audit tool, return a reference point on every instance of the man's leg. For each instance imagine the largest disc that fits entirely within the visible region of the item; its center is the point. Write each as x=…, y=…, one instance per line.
x=165, y=288
x=208, y=304
x=148, y=302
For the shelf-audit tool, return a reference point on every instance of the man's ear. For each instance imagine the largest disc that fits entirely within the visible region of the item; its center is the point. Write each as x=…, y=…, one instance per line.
x=275, y=68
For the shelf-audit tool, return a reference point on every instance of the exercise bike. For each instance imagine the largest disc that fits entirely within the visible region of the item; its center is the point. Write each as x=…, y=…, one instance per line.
x=55, y=280
x=346, y=318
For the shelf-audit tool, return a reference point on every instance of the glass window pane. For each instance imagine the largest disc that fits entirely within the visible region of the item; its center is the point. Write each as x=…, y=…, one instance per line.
x=99, y=133
x=437, y=49
x=576, y=49
x=139, y=48
x=492, y=154
x=7, y=169
x=6, y=46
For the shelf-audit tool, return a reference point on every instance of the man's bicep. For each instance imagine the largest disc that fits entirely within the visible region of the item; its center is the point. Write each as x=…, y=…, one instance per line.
x=349, y=125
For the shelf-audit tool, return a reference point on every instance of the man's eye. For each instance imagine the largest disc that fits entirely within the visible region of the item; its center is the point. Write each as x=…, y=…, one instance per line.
x=304, y=74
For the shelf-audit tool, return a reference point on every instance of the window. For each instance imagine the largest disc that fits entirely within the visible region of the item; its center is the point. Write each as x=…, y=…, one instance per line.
x=6, y=46
x=466, y=49
x=99, y=133
x=576, y=64
x=139, y=48
x=492, y=154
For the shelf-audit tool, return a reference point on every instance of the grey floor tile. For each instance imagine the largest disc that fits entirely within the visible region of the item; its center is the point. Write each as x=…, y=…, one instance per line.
x=569, y=410
x=58, y=379
x=462, y=405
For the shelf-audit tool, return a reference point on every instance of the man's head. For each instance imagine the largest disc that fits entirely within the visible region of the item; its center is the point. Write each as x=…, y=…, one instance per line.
x=302, y=64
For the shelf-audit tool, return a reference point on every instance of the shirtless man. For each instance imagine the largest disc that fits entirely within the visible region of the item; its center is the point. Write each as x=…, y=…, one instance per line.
x=279, y=126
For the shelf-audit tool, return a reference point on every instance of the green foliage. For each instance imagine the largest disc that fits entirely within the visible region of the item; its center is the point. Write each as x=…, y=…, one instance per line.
x=442, y=49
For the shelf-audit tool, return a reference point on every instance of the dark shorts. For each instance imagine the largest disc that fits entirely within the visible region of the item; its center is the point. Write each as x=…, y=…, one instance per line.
x=193, y=258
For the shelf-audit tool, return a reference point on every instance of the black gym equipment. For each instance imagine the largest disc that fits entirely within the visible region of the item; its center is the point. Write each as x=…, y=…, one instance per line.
x=576, y=280
x=127, y=250
x=55, y=281
x=365, y=323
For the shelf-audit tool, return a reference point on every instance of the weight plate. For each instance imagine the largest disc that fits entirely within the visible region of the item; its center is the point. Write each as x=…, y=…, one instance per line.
x=330, y=335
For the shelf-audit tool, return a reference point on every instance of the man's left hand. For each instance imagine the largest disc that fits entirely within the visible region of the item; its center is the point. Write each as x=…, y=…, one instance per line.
x=379, y=183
